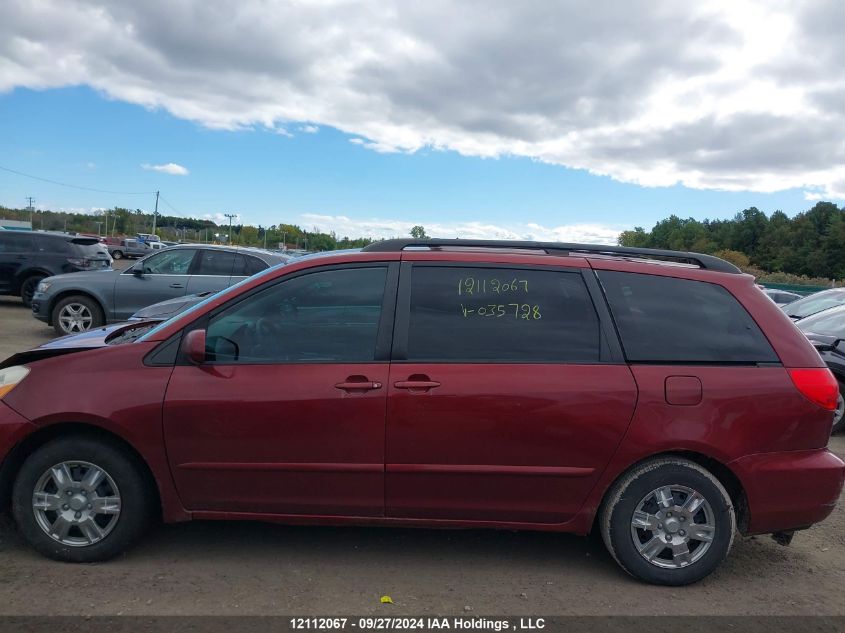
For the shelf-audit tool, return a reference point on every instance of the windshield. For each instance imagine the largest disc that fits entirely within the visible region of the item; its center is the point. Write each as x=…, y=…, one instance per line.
x=829, y=323
x=188, y=314
x=815, y=303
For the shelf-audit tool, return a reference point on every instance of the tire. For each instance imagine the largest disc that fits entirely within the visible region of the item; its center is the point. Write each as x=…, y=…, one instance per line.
x=839, y=414
x=639, y=489
x=121, y=504
x=28, y=289
x=117, y=255
x=76, y=314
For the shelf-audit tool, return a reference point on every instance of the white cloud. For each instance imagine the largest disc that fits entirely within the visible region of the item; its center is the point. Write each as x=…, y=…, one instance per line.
x=718, y=94
x=386, y=228
x=168, y=168
x=220, y=219
x=309, y=129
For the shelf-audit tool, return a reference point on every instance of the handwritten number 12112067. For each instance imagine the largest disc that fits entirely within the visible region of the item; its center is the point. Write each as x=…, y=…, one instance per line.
x=474, y=286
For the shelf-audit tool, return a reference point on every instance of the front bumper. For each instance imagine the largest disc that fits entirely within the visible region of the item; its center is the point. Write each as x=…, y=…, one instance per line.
x=40, y=307
x=789, y=490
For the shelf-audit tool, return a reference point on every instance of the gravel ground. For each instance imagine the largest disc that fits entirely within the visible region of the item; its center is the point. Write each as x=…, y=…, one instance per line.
x=253, y=568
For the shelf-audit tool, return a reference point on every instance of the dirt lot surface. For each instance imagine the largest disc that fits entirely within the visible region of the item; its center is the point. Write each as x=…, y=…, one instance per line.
x=246, y=568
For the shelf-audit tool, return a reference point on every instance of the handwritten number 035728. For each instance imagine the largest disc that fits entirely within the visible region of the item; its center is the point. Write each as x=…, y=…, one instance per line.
x=524, y=311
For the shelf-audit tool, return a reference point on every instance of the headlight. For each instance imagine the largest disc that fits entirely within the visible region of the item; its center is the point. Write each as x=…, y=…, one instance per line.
x=43, y=286
x=10, y=377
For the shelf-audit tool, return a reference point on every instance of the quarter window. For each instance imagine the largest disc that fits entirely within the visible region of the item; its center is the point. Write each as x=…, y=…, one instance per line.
x=500, y=314
x=663, y=319
x=328, y=316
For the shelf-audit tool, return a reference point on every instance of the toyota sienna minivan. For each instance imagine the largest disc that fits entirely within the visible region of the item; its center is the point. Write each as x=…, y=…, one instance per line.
x=656, y=397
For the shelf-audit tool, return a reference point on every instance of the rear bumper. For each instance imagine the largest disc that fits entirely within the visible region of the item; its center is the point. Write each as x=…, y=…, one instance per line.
x=789, y=490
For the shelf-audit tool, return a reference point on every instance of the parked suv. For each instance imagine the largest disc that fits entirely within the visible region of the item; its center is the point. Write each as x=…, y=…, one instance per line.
x=655, y=396
x=74, y=303
x=28, y=257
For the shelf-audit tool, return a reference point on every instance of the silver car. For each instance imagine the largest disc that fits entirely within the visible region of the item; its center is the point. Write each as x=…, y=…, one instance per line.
x=77, y=302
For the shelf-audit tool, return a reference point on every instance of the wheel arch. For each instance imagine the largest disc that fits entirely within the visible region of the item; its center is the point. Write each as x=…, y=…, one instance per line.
x=63, y=294
x=30, y=272
x=32, y=442
x=719, y=470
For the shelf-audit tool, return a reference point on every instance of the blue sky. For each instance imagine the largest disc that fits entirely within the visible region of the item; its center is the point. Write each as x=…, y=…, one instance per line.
x=550, y=120
x=78, y=136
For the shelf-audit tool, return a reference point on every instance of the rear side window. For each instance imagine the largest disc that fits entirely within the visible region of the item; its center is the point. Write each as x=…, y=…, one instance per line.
x=212, y=262
x=663, y=319
x=247, y=265
x=511, y=315
x=11, y=242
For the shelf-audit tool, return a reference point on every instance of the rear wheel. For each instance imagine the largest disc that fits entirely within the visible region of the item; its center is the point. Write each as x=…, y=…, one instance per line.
x=81, y=500
x=28, y=289
x=668, y=522
x=75, y=314
x=117, y=255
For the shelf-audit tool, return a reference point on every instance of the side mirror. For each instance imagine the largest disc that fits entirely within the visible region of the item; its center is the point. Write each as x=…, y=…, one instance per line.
x=193, y=346
x=138, y=269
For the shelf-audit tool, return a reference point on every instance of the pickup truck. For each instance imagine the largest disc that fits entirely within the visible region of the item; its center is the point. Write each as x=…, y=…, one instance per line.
x=129, y=248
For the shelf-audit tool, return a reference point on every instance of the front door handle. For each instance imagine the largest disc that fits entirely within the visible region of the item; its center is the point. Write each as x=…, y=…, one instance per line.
x=177, y=285
x=357, y=383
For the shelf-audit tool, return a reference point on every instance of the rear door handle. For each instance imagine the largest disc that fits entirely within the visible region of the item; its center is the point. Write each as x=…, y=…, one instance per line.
x=416, y=384
x=177, y=285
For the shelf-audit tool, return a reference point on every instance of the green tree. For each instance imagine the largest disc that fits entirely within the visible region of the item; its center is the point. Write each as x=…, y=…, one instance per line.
x=418, y=232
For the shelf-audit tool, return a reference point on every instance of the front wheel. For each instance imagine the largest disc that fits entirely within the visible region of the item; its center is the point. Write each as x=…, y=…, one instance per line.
x=81, y=500
x=76, y=314
x=668, y=522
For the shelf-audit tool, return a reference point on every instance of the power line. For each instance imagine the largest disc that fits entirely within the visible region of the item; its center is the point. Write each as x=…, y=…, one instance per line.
x=172, y=208
x=64, y=184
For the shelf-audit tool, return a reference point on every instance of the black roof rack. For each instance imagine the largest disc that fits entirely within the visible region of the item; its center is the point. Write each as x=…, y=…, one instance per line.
x=708, y=262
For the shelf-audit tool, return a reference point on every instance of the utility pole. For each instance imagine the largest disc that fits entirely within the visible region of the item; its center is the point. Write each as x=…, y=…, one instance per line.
x=31, y=213
x=155, y=214
x=284, y=240
x=230, y=216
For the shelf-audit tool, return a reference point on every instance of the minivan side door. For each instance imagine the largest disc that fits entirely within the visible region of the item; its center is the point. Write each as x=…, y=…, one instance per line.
x=508, y=394
x=287, y=415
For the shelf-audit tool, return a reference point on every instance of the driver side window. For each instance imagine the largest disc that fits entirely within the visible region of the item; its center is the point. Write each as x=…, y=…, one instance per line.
x=169, y=262
x=329, y=316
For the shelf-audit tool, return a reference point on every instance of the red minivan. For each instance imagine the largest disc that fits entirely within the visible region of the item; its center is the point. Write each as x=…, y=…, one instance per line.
x=655, y=396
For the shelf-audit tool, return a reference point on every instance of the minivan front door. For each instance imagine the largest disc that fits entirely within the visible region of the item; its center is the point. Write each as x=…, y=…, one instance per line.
x=287, y=415
x=506, y=400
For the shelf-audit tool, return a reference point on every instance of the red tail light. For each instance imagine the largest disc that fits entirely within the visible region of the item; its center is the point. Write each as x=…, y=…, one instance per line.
x=817, y=385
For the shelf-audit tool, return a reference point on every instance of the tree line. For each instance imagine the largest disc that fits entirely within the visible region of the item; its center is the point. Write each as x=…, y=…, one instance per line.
x=128, y=222
x=811, y=244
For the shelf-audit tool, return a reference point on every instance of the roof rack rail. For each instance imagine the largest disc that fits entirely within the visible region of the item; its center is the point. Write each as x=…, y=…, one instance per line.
x=708, y=262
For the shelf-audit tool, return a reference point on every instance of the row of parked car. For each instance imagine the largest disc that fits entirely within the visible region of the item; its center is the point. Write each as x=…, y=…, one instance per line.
x=821, y=317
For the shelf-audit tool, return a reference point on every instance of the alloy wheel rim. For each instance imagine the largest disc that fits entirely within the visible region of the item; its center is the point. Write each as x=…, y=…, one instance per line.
x=673, y=526
x=76, y=503
x=75, y=317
